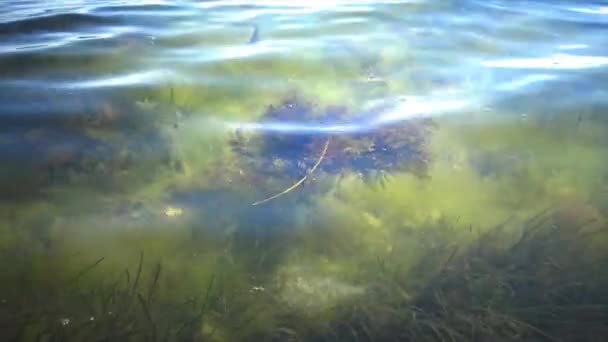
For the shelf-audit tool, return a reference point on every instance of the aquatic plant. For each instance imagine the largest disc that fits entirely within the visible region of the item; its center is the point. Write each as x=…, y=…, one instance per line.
x=546, y=282
x=130, y=308
x=370, y=153
x=544, y=285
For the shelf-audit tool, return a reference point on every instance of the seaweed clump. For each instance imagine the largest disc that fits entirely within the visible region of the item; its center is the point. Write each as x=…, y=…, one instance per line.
x=306, y=143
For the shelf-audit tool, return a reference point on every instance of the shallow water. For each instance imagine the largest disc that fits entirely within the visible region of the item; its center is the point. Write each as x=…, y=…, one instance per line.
x=452, y=149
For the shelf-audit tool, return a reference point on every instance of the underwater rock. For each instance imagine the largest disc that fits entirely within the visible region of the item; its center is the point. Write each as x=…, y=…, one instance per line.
x=370, y=153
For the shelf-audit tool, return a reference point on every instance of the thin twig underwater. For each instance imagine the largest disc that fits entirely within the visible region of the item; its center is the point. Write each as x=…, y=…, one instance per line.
x=300, y=181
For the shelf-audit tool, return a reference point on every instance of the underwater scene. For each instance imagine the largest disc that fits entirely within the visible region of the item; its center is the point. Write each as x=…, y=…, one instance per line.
x=395, y=170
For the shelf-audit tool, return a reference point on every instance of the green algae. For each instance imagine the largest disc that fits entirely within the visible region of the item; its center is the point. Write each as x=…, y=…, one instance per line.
x=358, y=262
x=446, y=292
x=439, y=258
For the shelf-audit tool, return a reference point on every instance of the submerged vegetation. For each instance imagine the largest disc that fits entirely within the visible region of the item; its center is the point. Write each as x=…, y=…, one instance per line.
x=175, y=250
x=134, y=216
x=127, y=308
x=415, y=259
x=546, y=283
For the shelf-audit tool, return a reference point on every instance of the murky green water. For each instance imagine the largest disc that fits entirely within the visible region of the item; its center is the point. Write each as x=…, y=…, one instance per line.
x=303, y=171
